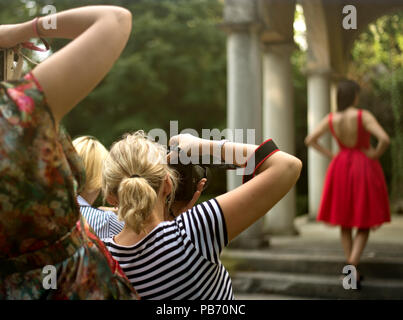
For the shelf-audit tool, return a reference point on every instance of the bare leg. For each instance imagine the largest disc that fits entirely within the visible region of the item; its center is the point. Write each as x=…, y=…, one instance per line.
x=359, y=243
x=346, y=241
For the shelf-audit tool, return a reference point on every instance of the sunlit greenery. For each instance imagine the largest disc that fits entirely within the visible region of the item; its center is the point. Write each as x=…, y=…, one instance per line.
x=378, y=64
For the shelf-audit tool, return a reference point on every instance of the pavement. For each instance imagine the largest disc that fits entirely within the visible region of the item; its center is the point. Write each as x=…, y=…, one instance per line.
x=308, y=266
x=318, y=238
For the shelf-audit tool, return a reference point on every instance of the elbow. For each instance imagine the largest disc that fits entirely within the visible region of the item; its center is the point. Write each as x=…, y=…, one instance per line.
x=297, y=167
x=386, y=140
x=123, y=18
x=308, y=141
x=294, y=168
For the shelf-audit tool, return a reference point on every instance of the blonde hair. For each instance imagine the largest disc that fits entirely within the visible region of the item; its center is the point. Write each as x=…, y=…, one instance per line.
x=93, y=154
x=134, y=172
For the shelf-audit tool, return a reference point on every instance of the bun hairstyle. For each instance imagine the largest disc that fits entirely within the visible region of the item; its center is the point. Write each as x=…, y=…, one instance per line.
x=93, y=154
x=133, y=172
x=347, y=90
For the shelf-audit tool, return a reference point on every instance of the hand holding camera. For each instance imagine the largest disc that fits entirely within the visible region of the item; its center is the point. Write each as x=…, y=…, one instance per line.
x=188, y=144
x=192, y=158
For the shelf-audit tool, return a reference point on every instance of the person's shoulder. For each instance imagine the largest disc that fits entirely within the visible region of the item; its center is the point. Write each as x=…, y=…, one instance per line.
x=208, y=206
x=95, y=211
x=367, y=115
x=335, y=115
x=107, y=240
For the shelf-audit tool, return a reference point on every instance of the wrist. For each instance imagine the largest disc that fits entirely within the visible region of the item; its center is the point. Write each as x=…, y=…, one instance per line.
x=205, y=146
x=23, y=32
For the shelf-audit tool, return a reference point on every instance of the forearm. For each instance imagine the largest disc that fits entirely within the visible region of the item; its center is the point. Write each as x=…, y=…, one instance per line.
x=71, y=73
x=230, y=152
x=21, y=32
x=70, y=23
x=321, y=149
x=249, y=202
x=381, y=148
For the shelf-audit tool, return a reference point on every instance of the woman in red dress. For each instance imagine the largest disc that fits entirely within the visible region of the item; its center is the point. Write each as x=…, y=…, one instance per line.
x=355, y=193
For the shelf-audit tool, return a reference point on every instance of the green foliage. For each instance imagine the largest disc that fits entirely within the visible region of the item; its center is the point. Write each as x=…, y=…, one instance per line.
x=173, y=68
x=378, y=62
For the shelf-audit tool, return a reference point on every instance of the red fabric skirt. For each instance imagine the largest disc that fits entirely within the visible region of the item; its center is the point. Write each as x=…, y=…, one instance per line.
x=355, y=192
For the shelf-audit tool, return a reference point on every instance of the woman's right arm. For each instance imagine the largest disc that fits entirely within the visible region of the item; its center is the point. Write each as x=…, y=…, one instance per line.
x=249, y=202
x=312, y=140
x=372, y=125
x=100, y=33
x=246, y=204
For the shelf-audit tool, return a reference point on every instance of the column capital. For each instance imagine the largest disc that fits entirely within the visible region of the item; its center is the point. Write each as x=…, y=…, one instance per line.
x=318, y=71
x=281, y=47
x=239, y=27
x=327, y=72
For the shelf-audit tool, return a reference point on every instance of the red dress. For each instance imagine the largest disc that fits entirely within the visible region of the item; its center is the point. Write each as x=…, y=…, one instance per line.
x=355, y=192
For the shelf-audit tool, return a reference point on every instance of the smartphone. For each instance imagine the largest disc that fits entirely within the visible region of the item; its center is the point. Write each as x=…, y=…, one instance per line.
x=9, y=68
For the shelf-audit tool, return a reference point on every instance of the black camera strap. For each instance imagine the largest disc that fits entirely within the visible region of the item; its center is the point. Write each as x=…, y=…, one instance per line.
x=265, y=150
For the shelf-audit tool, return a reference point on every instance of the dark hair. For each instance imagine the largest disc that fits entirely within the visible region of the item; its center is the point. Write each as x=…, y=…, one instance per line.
x=347, y=90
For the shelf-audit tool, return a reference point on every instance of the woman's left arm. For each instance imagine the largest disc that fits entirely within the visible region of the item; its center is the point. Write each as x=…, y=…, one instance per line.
x=372, y=125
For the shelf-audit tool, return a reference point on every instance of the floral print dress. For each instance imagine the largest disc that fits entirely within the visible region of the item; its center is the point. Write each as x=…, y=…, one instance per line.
x=40, y=221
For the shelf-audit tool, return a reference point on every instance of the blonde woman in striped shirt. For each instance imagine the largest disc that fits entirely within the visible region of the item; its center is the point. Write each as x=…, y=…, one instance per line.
x=180, y=259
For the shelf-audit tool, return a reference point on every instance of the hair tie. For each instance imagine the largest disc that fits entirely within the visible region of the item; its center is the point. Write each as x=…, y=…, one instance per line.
x=30, y=45
x=135, y=176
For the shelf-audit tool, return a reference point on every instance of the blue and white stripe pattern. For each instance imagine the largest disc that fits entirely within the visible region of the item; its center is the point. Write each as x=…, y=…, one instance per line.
x=179, y=259
x=104, y=223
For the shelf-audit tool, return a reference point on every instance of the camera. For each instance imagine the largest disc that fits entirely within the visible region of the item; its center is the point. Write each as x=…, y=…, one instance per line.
x=10, y=64
x=190, y=175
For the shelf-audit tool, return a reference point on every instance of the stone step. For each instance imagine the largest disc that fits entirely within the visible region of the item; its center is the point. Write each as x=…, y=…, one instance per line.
x=254, y=296
x=314, y=286
x=265, y=260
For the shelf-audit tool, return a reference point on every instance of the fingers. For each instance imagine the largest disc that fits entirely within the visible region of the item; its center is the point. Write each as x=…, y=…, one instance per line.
x=174, y=141
x=201, y=184
x=196, y=195
x=169, y=157
x=192, y=202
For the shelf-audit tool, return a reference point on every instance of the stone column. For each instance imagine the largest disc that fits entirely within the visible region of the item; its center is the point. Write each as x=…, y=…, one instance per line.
x=278, y=124
x=318, y=107
x=333, y=108
x=244, y=109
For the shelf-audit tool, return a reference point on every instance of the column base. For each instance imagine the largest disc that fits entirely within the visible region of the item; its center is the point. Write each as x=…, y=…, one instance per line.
x=250, y=243
x=283, y=232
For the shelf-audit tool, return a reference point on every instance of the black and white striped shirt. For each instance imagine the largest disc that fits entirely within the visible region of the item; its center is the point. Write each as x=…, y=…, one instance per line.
x=104, y=223
x=179, y=259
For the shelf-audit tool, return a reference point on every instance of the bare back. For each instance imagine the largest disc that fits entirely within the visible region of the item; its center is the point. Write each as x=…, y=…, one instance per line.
x=345, y=125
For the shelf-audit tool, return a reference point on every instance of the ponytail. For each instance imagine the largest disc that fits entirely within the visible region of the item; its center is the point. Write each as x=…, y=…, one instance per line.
x=136, y=200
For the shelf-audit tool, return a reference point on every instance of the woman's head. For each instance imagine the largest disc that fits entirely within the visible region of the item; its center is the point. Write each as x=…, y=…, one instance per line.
x=347, y=93
x=93, y=154
x=135, y=173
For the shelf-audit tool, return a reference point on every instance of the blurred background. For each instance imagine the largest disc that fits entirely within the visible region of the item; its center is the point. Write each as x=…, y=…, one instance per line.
x=174, y=68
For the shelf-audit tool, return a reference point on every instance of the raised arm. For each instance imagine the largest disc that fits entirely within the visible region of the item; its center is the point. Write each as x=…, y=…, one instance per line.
x=372, y=125
x=312, y=139
x=100, y=33
x=252, y=200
